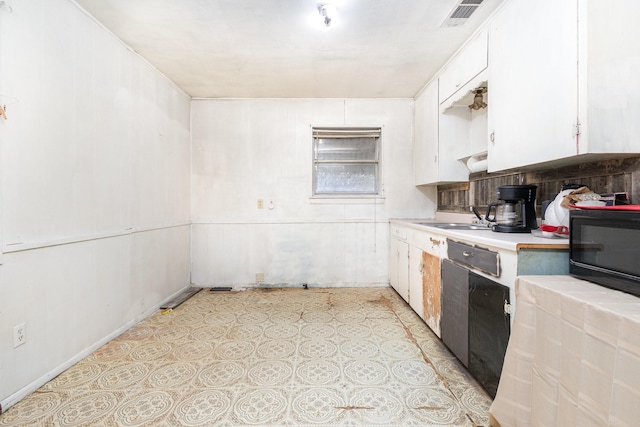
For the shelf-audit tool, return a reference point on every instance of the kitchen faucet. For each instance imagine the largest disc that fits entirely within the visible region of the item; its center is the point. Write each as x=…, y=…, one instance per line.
x=477, y=214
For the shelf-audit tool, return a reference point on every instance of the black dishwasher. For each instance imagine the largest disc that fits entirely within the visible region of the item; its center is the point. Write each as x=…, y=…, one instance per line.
x=454, y=316
x=489, y=329
x=475, y=322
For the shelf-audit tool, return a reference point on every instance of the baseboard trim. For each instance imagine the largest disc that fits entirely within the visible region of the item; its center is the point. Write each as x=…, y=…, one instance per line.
x=246, y=286
x=14, y=398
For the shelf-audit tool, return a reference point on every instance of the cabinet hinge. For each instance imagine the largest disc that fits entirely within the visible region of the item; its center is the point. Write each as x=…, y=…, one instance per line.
x=507, y=308
x=578, y=129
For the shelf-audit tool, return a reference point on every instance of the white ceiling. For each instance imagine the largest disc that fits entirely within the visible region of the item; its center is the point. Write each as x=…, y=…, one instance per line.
x=277, y=49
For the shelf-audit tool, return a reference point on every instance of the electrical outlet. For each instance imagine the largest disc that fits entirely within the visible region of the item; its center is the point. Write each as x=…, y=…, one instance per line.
x=259, y=277
x=260, y=204
x=19, y=335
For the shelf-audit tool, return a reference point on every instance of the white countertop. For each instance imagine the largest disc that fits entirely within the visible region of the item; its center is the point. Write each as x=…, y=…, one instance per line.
x=508, y=241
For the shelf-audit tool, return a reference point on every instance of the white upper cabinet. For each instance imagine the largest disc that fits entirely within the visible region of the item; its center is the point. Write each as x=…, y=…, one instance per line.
x=609, y=84
x=457, y=78
x=425, y=142
x=444, y=125
x=533, y=83
x=563, y=82
x=435, y=160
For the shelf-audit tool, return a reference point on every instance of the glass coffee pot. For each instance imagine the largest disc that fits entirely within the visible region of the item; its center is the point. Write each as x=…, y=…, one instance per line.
x=516, y=210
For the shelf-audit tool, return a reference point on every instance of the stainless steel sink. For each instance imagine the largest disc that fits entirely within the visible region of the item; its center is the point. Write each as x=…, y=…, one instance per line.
x=455, y=225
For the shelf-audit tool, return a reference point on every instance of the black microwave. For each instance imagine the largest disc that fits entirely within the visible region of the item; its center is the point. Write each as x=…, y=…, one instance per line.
x=604, y=248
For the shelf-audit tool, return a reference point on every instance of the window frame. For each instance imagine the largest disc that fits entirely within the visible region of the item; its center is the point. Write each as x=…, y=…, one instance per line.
x=346, y=132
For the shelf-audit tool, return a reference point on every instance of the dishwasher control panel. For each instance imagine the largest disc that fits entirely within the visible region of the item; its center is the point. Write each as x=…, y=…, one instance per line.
x=478, y=258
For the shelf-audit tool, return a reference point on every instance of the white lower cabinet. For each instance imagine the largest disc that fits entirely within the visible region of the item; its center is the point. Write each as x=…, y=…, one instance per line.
x=425, y=287
x=399, y=267
x=416, y=292
x=414, y=270
x=464, y=288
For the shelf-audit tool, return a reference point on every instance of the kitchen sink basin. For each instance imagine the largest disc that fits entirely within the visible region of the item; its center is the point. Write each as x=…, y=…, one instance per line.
x=455, y=225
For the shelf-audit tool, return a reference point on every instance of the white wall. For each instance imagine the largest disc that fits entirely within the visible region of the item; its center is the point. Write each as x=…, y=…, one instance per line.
x=244, y=150
x=95, y=189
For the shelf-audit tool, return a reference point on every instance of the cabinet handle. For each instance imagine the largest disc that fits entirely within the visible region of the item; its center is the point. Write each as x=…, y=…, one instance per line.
x=492, y=137
x=467, y=254
x=507, y=308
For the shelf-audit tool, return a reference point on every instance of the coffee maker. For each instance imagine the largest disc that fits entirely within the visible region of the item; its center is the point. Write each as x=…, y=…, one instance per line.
x=516, y=210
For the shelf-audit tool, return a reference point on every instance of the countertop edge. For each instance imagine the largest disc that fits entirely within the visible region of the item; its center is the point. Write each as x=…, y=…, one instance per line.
x=509, y=241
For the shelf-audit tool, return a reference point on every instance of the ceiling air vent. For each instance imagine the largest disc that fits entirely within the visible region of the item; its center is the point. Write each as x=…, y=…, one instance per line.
x=461, y=12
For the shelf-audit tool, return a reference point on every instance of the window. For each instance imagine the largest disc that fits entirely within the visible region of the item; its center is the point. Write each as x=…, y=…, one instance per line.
x=346, y=161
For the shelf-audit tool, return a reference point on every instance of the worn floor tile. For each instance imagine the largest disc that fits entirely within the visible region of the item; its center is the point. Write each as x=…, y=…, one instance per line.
x=278, y=357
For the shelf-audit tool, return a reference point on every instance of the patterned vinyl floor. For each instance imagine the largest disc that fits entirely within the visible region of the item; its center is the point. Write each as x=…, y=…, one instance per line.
x=277, y=357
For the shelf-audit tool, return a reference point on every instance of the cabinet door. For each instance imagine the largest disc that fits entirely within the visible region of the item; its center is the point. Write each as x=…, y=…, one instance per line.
x=416, y=293
x=533, y=83
x=399, y=267
x=437, y=141
x=609, y=38
x=489, y=329
x=425, y=293
x=425, y=148
x=467, y=64
x=455, y=310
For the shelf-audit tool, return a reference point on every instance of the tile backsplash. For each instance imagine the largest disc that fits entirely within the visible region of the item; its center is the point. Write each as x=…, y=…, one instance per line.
x=609, y=176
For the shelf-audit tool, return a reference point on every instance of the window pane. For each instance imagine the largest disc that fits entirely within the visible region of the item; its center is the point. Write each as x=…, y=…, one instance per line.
x=345, y=178
x=346, y=149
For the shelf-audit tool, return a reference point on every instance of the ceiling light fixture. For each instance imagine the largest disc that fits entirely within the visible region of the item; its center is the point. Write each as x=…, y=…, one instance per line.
x=478, y=99
x=327, y=12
